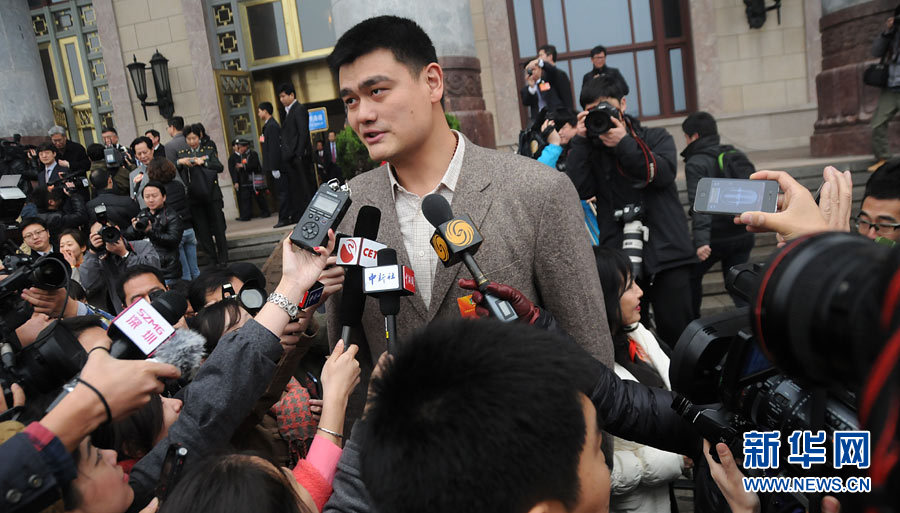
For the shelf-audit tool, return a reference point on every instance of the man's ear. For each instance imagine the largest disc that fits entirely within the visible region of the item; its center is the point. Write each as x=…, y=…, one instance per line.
x=623, y=104
x=548, y=507
x=434, y=79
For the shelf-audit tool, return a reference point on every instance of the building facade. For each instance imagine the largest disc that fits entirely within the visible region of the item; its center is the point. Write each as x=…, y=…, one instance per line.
x=226, y=56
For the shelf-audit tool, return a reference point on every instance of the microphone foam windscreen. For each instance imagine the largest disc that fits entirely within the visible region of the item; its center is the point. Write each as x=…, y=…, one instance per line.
x=184, y=350
x=387, y=256
x=436, y=209
x=367, y=221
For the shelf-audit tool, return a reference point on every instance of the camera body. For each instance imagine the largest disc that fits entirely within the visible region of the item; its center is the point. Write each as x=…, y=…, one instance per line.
x=599, y=119
x=142, y=221
x=113, y=157
x=109, y=234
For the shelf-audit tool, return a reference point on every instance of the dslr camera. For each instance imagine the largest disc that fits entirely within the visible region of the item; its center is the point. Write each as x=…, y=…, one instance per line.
x=815, y=351
x=142, y=221
x=113, y=157
x=109, y=233
x=599, y=119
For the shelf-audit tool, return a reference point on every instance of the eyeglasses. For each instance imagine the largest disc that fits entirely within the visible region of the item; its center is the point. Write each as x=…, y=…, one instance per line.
x=34, y=234
x=864, y=225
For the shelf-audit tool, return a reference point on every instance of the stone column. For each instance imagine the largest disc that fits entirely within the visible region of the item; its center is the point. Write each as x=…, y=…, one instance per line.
x=24, y=102
x=846, y=104
x=449, y=25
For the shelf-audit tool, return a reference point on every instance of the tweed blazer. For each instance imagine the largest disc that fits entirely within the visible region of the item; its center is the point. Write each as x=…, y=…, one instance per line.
x=534, y=240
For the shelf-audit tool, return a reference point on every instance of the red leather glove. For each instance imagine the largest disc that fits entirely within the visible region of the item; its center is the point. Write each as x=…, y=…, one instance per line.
x=524, y=308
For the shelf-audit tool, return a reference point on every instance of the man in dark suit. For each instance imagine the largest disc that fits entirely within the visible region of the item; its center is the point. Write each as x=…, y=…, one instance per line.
x=243, y=165
x=270, y=142
x=295, y=152
x=159, y=149
x=546, y=87
x=51, y=171
x=120, y=209
x=600, y=69
x=69, y=154
x=395, y=108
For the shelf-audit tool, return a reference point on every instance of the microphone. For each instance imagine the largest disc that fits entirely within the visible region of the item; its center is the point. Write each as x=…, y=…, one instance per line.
x=353, y=301
x=455, y=240
x=388, y=281
x=143, y=327
x=185, y=349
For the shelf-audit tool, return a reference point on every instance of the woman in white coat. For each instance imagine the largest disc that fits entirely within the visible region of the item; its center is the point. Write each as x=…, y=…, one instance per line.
x=641, y=475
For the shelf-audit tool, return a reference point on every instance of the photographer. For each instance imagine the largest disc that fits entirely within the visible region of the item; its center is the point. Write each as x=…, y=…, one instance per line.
x=61, y=208
x=109, y=256
x=119, y=208
x=622, y=164
x=564, y=127
x=162, y=226
x=546, y=86
x=124, y=160
x=163, y=171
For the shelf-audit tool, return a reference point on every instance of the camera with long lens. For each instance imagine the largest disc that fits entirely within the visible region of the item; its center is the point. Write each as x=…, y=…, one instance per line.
x=16, y=160
x=142, y=221
x=599, y=119
x=635, y=233
x=113, y=157
x=110, y=234
x=801, y=356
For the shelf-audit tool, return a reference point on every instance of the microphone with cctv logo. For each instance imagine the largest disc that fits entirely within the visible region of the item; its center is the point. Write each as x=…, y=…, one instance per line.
x=455, y=240
x=353, y=300
x=388, y=281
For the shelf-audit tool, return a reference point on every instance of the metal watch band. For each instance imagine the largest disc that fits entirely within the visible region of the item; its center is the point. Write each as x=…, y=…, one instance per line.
x=285, y=304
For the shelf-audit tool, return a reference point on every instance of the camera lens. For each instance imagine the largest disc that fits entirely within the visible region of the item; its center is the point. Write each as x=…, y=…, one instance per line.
x=817, y=302
x=599, y=119
x=50, y=273
x=110, y=234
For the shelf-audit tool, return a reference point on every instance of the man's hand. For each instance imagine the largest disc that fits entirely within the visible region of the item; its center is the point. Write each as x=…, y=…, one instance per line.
x=553, y=136
x=48, y=302
x=612, y=137
x=798, y=213
x=27, y=333
x=703, y=252
x=117, y=248
x=889, y=24
x=836, y=199
x=18, y=398
x=580, y=128
x=729, y=477
x=65, y=163
x=524, y=308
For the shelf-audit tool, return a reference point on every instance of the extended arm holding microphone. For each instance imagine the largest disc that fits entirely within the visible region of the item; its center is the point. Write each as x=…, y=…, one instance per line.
x=629, y=409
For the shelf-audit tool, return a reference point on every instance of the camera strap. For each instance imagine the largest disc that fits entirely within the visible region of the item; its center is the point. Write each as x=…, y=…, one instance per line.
x=649, y=157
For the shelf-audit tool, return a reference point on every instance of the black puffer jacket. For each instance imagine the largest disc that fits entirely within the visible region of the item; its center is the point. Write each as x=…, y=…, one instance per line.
x=176, y=197
x=71, y=214
x=627, y=175
x=165, y=235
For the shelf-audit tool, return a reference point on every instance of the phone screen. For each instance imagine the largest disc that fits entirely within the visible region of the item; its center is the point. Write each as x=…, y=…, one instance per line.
x=735, y=195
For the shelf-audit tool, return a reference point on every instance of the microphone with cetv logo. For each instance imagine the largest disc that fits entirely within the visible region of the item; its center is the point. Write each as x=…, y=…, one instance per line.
x=353, y=300
x=388, y=281
x=358, y=251
x=455, y=240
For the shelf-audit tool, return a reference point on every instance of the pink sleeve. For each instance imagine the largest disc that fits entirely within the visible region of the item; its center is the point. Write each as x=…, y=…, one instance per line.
x=316, y=472
x=324, y=456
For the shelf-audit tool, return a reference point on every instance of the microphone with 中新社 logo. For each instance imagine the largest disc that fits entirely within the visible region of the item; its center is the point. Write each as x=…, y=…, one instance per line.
x=455, y=240
x=388, y=281
x=352, y=253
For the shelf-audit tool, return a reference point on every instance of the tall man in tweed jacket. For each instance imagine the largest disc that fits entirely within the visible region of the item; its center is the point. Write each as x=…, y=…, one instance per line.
x=534, y=236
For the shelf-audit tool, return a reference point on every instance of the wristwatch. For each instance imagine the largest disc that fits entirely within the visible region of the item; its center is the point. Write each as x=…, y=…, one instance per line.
x=285, y=304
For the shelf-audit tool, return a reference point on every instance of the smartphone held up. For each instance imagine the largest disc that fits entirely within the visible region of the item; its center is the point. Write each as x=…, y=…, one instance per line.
x=730, y=196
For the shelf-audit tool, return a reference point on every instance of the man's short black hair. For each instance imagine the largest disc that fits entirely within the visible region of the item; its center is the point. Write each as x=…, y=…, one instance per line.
x=177, y=122
x=153, y=132
x=885, y=182
x=206, y=282
x=549, y=50
x=47, y=146
x=702, y=123
x=109, y=129
x=133, y=272
x=598, y=50
x=405, y=39
x=266, y=106
x=95, y=152
x=603, y=86
x=99, y=179
x=142, y=139
x=287, y=88
x=476, y=416
x=32, y=220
